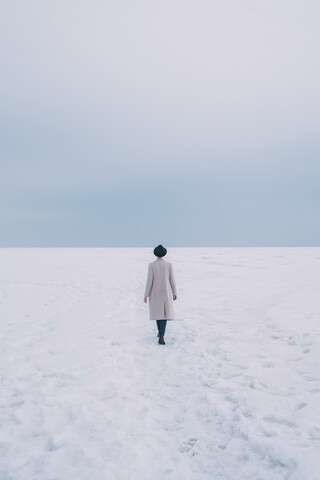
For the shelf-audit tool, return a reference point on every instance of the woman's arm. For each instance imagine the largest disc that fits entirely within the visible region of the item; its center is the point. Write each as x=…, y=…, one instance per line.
x=173, y=283
x=149, y=283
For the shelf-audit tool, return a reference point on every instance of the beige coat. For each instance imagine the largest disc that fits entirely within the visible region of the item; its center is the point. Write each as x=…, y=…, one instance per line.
x=160, y=289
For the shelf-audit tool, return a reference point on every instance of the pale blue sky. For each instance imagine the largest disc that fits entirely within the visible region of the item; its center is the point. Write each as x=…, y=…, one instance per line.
x=188, y=123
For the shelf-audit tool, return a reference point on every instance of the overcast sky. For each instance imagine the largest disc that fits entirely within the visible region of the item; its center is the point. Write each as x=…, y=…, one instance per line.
x=133, y=123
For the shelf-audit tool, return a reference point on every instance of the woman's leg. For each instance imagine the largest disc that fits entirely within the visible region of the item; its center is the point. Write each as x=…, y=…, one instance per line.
x=162, y=326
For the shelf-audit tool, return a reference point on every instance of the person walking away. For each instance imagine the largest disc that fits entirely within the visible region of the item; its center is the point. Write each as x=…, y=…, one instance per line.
x=161, y=290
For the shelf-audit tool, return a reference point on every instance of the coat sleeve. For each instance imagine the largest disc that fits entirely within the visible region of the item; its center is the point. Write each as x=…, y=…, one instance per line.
x=172, y=281
x=149, y=281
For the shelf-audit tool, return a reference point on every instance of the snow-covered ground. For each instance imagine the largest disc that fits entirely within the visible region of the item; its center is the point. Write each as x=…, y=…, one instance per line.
x=86, y=393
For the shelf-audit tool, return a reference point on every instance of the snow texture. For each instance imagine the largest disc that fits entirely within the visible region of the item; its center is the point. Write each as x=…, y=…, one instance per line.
x=86, y=392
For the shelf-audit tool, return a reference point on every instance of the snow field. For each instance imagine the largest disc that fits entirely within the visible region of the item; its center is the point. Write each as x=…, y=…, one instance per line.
x=86, y=391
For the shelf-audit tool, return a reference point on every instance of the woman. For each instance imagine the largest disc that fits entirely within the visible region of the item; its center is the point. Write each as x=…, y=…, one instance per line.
x=160, y=289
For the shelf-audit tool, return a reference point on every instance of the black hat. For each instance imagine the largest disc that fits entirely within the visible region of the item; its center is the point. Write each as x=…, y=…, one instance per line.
x=160, y=251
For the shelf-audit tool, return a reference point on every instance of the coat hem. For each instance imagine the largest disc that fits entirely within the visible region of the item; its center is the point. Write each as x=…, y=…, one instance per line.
x=155, y=319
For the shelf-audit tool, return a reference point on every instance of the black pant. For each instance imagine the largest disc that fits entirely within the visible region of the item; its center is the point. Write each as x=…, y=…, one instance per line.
x=162, y=326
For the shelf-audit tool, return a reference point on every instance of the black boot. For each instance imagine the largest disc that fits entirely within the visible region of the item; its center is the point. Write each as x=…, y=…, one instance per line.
x=161, y=340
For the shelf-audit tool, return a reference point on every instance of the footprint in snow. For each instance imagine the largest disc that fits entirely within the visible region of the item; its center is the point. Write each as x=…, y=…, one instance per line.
x=278, y=420
x=268, y=365
x=310, y=378
x=188, y=445
x=16, y=403
x=246, y=413
x=267, y=433
x=314, y=434
x=52, y=446
x=231, y=400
